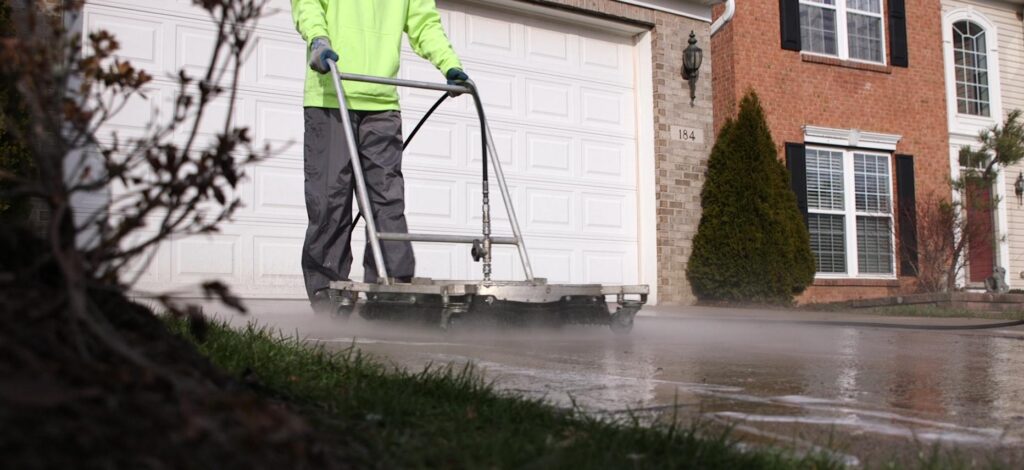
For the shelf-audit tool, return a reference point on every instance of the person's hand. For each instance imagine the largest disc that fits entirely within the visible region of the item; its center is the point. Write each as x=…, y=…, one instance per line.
x=319, y=53
x=456, y=76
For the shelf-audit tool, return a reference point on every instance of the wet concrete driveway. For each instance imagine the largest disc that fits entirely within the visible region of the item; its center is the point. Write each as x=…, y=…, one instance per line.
x=865, y=393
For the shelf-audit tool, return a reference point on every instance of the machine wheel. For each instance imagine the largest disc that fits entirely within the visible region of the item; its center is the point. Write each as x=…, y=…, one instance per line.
x=621, y=324
x=344, y=304
x=451, y=315
x=450, y=323
x=622, y=319
x=343, y=312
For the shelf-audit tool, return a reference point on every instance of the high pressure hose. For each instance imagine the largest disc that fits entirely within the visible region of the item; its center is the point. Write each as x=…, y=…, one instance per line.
x=485, y=204
x=483, y=144
x=405, y=144
x=424, y=119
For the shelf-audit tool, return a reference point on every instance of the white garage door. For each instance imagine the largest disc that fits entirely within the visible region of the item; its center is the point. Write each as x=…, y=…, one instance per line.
x=560, y=98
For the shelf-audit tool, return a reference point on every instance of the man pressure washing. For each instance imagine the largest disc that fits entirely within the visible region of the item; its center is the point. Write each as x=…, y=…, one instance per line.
x=363, y=37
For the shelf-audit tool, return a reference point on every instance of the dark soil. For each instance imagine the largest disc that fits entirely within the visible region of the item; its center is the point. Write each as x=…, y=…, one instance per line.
x=67, y=400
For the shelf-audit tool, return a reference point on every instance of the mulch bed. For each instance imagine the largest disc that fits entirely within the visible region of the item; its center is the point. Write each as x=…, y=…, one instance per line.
x=68, y=400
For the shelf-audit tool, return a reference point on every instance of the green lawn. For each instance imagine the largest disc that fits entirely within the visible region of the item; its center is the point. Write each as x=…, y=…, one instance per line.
x=941, y=312
x=370, y=415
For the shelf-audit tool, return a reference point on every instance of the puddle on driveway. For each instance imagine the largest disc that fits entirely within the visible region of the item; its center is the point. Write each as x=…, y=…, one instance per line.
x=864, y=394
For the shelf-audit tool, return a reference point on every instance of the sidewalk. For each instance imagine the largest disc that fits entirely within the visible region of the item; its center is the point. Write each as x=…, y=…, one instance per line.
x=784, y=315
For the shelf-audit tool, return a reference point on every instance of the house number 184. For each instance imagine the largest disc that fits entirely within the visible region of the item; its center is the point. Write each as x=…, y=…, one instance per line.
x=687, y=134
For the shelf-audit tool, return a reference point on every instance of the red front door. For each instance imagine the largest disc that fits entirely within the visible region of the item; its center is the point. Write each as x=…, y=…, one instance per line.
x=980, y=230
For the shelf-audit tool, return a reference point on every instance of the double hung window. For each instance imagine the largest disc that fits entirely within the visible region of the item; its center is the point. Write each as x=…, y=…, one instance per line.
x=849, y=202
x=848, y=29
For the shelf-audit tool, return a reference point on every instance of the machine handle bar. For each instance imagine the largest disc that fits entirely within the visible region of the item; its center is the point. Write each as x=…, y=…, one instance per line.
x=354, y=77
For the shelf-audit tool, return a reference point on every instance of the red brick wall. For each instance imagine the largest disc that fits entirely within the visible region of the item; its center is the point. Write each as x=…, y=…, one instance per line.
x=797, y=90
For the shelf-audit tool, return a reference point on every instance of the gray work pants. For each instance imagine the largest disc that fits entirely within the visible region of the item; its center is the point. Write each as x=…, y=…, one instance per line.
x=330, y=187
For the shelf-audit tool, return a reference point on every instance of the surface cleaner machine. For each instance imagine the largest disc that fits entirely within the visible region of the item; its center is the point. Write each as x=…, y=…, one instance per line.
x=446, y=302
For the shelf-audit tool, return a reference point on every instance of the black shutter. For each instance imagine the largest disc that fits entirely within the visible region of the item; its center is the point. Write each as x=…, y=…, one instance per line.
x=796, y=162
x=907, y=213
x=898, y=34
x=789, y=24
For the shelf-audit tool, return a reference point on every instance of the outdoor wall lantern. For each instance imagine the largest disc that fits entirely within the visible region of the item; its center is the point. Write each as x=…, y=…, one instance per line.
x=692, y=57
x=1018, y=188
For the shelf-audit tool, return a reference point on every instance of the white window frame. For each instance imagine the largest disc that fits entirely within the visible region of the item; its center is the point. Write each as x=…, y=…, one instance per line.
x=988, y=69
x=842, y=36
x=850, y=214
x=968, y=125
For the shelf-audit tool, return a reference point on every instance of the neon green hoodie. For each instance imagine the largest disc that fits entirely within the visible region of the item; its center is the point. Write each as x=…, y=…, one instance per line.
x=367, y=35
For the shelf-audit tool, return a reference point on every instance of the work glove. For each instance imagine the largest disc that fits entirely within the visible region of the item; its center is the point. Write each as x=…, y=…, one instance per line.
x=319, y=53
x=456, y=76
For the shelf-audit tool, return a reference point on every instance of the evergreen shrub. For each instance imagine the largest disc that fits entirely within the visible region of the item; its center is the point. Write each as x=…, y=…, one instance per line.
x=752, y=245
x=15, y=157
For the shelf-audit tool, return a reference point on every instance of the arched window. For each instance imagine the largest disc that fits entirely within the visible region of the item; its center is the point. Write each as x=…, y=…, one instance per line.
x=970, y=64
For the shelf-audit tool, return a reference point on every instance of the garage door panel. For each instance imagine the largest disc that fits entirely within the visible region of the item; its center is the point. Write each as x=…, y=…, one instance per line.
x=150, y=273
x=550, y=154
x=549, y=101
x=506, y=142
x=606, y=109
x=609, y=59
x=281, y=126
x=551, y=47
x=276, y=260
x=194, y=46
x=415, y=68
x=436, y=144
x=435, y=260
x=608, y=213
x=608, y=161
x=497, y=91
x=430, y=201
x=279, y=192
x=582, y=54
x=138, y=113
x=491, y=36
x=211, y=123
x=207, y=256
x=605, y=267
x=505, y=264
x=591, y=262
x=278, y=13
x=499, y=216
x=555, y=265
x=141, y=40
x=549, y=210
x=280, y=63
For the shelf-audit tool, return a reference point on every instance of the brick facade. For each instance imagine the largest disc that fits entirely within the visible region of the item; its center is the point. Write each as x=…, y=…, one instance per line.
x=680, y=165
x=797, y=89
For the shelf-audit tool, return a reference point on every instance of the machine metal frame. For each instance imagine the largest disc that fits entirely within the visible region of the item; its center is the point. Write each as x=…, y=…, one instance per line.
x=457, y=300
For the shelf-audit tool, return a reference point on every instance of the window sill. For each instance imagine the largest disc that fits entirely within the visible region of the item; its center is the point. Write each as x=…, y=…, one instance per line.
x=856, y=282
x=850, y=64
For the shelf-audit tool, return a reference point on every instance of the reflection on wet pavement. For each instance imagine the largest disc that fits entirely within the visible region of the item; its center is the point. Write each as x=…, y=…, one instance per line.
x=864, y=393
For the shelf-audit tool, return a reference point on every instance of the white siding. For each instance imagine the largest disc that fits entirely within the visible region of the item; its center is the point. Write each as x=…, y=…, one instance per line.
x=1010, y=28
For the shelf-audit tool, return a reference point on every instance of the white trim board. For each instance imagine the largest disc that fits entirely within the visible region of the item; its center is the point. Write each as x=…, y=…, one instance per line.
x=607, y=25
x=696, y=10
x=647, y=199
x=851, y=138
